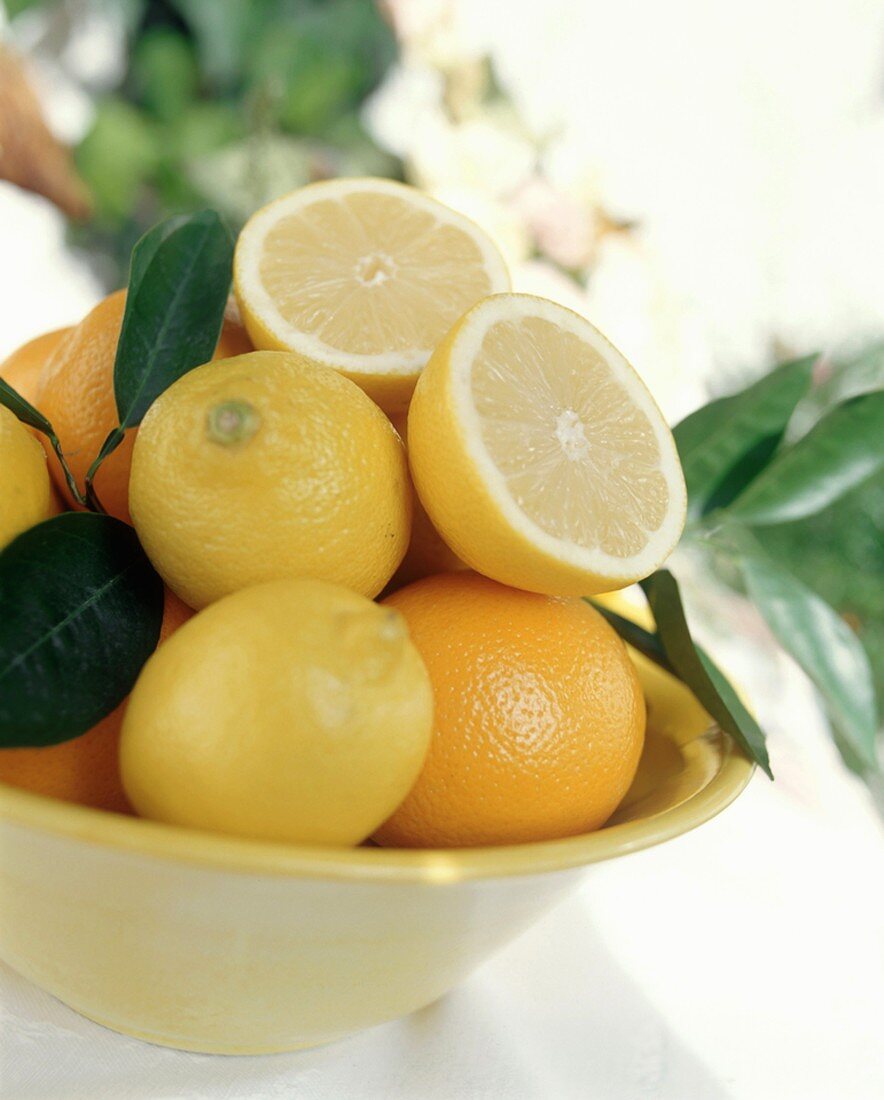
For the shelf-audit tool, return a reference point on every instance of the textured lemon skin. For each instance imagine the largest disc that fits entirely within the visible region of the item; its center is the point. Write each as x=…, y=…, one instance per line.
x=294, y=711
x=25, y=494
x=460, y=504
x=320, y=489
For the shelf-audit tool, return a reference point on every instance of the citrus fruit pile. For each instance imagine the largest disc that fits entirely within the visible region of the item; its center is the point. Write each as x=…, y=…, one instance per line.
x=375, y=511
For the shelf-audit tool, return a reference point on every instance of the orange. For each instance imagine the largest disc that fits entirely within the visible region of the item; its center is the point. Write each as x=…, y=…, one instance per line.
x=77, y=395
x=427, y=552
x=539, y=717
x=23, y=368
x=85, y=770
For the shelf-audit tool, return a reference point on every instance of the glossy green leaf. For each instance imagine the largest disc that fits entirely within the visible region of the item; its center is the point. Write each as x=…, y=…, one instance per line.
x=179, y=283
x=713, y=440
x=847, y=378
x=24, y=410
x=692, y=665
x=179, y=280
x=82, y=609
x=645, y=641
x=27, y=414
x=823, y=645
x=843, y=450
x=146, y=248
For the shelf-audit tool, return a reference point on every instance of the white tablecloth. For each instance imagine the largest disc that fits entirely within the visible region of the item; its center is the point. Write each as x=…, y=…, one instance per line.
x=745, y=960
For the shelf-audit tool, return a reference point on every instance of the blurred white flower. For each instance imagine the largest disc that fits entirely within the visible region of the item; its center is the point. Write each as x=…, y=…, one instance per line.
x=629, y=298
x=409, y=97
x=497, y=218
x=748, y=169
x=484, y=153
x=546, y=281
x=435, y=31
x=753, y=162
x=563, y=228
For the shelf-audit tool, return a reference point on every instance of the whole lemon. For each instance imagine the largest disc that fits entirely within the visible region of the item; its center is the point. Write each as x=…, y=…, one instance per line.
x=293, y=711
x=539, y=716
x=25, y=497
x=263, y=467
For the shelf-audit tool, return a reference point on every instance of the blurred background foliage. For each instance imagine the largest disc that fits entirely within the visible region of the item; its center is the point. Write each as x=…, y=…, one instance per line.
x=839, y=553
x=228, y=103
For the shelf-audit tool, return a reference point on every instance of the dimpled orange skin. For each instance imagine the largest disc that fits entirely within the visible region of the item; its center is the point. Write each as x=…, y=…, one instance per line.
x=539, y=716
x=76, y=394
x=85, y=770
x=22, y=369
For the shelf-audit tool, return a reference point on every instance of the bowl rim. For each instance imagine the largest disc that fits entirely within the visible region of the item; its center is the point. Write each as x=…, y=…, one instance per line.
x=105, y=829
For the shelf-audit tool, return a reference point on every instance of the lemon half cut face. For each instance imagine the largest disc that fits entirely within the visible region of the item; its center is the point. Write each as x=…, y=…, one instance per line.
x=539, y=453
x=363, y=275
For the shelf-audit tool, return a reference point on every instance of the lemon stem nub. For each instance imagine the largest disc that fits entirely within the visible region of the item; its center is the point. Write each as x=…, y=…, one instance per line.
x=232, y=422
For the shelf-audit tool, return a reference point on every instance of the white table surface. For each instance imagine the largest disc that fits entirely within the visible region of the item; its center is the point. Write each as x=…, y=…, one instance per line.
x=744, y=960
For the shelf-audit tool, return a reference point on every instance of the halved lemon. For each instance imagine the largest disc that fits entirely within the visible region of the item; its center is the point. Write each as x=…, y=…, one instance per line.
x=363, y=275
x=539, y=454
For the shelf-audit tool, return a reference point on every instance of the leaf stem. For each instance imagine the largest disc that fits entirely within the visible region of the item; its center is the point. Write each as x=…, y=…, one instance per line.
x=108, y=447
x=73, y=487
x=31, y=416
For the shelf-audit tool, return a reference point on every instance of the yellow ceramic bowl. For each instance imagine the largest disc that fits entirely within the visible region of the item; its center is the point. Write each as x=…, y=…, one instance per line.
x=213, y=944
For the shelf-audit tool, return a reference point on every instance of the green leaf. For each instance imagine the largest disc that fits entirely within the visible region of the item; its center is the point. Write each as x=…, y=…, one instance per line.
x=16, y=7
x=178, y=287
x=712, y=440
x=692, y=665
x=164, y=72
x=179, y=280
x=24, y=410
x=852, y=377
x=27, y=414
x=224, y=30
x=843, y=450
x=205, y=127
x=82, y=610
x=118, y=157
x=645, y=641
x=823, y=645
x=319, y=64
x=744, y=471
